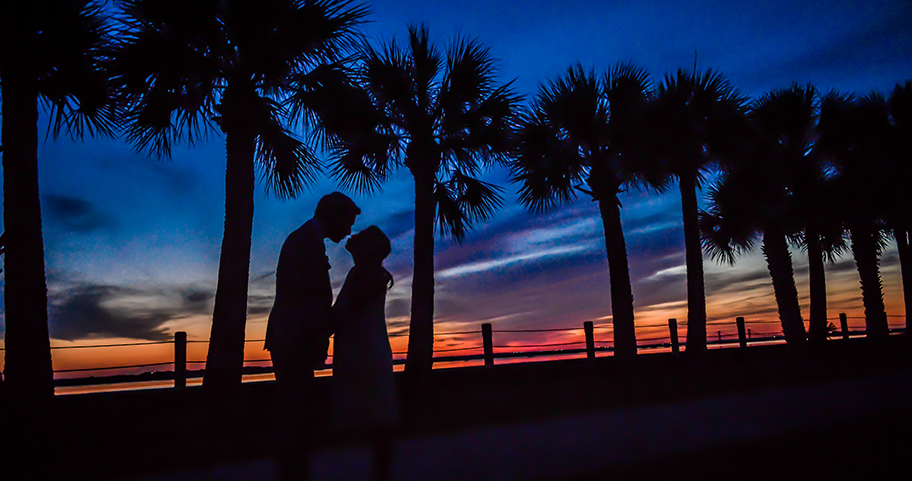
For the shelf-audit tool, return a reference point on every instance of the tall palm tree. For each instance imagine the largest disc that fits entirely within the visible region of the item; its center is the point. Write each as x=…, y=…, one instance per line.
x=697, y=119
x=184, y=66
x=442, y=116
x=900, y=107
x=50, y=51
x=578, y=131
x=823, y=240
x=855, y=134
x=786, y=120
x=752, y=200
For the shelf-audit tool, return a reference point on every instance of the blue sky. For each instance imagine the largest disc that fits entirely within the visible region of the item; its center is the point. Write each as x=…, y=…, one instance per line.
x=132, y=244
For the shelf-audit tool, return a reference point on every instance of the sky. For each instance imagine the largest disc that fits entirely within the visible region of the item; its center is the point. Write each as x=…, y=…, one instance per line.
x=132, y=243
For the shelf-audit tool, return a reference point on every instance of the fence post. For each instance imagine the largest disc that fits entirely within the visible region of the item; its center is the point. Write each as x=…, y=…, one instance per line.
x=742, y=335
x=673, y=329
x=590, y=339
x=844, y=325
x=487, y=337
x=180, y=360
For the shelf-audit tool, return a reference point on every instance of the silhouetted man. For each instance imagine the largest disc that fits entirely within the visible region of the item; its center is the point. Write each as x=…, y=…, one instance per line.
x=297, y=334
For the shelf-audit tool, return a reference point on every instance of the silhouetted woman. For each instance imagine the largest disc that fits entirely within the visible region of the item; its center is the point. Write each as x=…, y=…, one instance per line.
x=364, y=395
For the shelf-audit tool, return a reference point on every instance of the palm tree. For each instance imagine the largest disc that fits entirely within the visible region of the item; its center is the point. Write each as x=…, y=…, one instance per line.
x=823, y=240
x=51, y=51
x=786, y=119
x=750, y=200
x=183, y=67
x=579, y=130
x=855, y=134
x=441, y=116
x=900, y=107
x=696, y=120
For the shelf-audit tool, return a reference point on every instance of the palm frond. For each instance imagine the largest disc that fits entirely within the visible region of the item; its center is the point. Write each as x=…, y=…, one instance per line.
x=362, y=163
x=331, y=105
x=482, y=133
x=626, y=83
x=718, y=242
x=287, y=164
x=387, y=76
x=729, y=226
x=353, y=174
x=834, y=125
x=900, y=106
x=69, y=54
x=451, y=219
x=427, y=62
x=699, y=118
x=477, y=199
x=787, y=116
x=276, y=38
x=149, y=126
x=81, y=105
x=627, y=89
x=834, y=247
x=467, y=80
x=166, y=77
x=546, y=167
x=462, y=201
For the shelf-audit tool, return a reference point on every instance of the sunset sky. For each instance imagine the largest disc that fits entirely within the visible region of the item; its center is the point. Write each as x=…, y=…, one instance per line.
x=132, y=243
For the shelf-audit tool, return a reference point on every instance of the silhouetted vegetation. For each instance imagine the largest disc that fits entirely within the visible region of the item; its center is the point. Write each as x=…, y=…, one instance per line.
x=580, y=134
x=183, y=67
x=754, y=198
x=53, y=52
x=854, y=133
x=900, y=172
x=795, y=167
x=695, y=123
x=441, y=115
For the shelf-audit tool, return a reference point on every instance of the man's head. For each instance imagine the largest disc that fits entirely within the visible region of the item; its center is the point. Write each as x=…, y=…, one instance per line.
x=336, y=214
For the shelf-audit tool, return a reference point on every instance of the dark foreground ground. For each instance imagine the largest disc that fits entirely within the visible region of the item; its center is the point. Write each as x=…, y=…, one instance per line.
x=115, y=435
x=875, y=447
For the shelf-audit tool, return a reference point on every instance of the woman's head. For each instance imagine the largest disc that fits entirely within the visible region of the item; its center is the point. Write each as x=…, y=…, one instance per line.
x=370, y=245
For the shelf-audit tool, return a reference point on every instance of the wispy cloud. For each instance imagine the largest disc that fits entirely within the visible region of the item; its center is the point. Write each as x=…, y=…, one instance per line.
x=88, y=311
x=477, y=267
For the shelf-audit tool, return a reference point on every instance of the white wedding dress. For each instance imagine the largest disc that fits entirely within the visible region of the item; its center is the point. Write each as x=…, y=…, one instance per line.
x=363, y=391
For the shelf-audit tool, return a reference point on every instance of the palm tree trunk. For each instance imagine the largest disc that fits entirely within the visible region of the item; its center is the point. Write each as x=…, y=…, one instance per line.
x=625, y=344
x=696, y=294
x=420, y=357
x=225, y=360
x=28, y=370
x=817, y=328
x=779, y=263
x=864, y=250
x=905, y=264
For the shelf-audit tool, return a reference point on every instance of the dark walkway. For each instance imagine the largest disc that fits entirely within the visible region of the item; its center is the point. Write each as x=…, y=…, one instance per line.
x=574, y=446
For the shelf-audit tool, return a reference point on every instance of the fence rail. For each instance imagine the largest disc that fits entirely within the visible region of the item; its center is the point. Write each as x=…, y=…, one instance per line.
x=488, y=351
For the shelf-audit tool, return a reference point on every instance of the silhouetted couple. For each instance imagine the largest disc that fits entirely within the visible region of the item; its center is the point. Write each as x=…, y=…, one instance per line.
x=301, y=322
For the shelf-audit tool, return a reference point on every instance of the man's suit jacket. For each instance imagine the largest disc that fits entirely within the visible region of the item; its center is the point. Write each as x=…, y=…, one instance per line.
x=299, y=322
